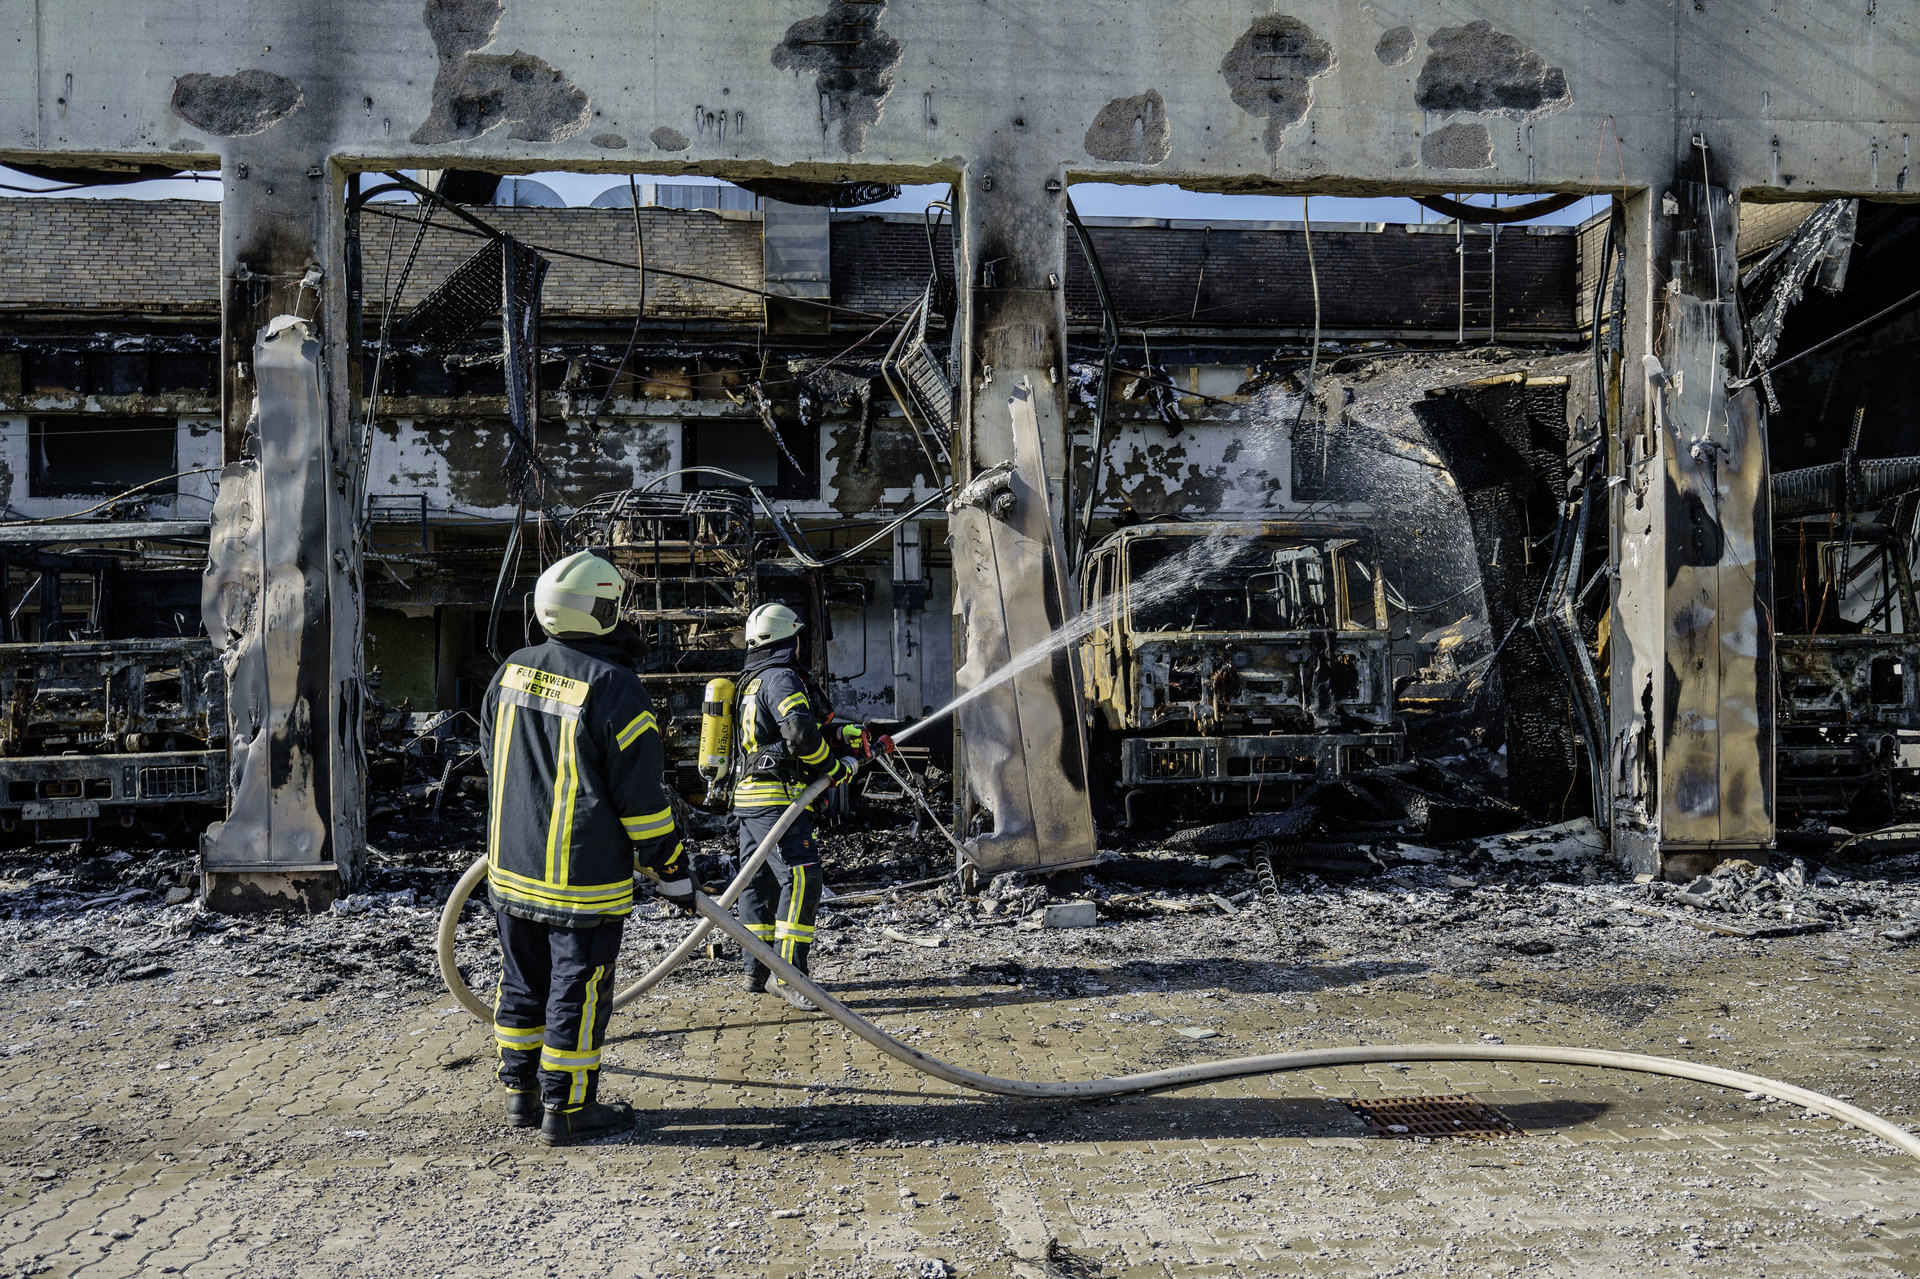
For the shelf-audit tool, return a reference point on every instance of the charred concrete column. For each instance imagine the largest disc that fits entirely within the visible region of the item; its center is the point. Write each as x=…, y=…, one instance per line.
x=281, y=599
x=1023, y=742
x=1692, y=699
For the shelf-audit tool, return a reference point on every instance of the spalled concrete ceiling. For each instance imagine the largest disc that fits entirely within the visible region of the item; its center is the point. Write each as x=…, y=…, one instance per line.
x=1802, y=96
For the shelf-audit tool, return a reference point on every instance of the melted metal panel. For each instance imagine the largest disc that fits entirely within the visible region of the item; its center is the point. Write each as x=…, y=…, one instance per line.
x=264, y=602
x=1717, y=787
x=1025, y=739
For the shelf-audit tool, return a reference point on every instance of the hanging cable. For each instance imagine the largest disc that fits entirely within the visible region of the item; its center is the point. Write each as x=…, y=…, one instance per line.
x=1103, y=396
x=1313, y=278
x=109, y=501
x=1399, y=601
x=509, y=569
x=389, y=303
x=1464, y=212
x=639, y=309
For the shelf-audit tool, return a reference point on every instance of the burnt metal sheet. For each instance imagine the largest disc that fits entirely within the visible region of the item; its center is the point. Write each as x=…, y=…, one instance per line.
x=1025, y=739
x=264, y=601
x=799, y=270
x=1717, y=767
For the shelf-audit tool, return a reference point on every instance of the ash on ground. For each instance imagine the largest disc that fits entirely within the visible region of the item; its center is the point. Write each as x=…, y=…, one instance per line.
x=1271, y=916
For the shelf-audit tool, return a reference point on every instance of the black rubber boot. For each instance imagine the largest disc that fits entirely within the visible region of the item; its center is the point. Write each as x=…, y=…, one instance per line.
x=792, y=995
x=523, y=1108
x=595, y=1119
x=756, y=979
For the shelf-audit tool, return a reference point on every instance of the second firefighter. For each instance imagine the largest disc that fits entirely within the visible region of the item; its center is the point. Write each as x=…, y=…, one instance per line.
x=786, y=742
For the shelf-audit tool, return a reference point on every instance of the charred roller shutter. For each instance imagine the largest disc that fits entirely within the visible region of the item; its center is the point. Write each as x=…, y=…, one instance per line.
x=1505, y=442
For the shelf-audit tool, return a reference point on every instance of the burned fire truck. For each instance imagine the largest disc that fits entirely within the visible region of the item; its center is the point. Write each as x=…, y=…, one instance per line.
x=1237, y=661
x=1847, y=653
x=112, y=704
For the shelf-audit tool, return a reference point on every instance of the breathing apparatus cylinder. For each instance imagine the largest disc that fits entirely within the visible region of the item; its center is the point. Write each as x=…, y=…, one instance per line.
x=716, y=738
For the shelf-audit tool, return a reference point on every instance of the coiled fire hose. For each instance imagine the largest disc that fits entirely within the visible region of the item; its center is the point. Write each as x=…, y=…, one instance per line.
x=717, y=914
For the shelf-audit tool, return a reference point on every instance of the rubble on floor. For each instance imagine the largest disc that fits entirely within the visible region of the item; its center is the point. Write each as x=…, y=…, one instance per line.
x=1216, y=914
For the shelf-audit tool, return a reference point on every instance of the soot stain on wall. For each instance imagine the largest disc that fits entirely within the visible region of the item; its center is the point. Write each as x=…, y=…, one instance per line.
x=893, y=460
x=235, y=106
x=853, y=61
x=475, y=92
x=1131, y=130
x=1271, y=70
x=474, y=449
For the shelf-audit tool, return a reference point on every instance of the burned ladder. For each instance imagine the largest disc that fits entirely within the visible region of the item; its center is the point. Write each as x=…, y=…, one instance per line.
x=1478, y=279
x=920, y=387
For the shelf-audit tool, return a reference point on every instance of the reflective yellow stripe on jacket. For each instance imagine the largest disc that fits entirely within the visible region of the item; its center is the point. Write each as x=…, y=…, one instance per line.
x=502, y=747
x=765, y=792
x=631, y=733
x=566, y=792
x=603, y=899
x=648, y=826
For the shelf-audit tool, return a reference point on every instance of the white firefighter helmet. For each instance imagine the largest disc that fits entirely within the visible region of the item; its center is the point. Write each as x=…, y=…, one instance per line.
x=771, y=623
x=578, y=595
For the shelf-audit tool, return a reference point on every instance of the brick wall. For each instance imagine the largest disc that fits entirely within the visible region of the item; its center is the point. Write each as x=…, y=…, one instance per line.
x=121, y=255
x=695, y=241
x=1397, y=278
x=110, y=255
x=163, y=255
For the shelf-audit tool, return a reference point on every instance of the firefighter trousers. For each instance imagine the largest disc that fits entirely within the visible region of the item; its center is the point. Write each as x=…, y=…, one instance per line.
x=780, y=902
x=551, y=1008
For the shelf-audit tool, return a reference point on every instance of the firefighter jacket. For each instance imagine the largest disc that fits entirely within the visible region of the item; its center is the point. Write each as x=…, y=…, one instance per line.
x=576, y=799
x=783, y=747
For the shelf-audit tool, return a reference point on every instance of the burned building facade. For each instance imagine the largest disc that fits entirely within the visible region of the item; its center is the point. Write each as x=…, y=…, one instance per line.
x=715, y=382
x=303, y=112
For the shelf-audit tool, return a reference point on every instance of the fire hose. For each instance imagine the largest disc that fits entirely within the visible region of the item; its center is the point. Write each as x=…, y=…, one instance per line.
x=717, y=914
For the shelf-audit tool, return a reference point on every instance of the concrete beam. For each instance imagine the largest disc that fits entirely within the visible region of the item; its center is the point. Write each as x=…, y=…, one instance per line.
x=1802, y=97
x=80, y=531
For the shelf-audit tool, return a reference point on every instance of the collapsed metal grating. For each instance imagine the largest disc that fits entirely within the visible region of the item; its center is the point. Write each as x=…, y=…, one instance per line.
x=1411, y=1118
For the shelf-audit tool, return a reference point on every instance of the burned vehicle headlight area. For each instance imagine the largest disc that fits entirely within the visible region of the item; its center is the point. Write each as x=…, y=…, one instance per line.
x=1848, y=696
x=1237, y=657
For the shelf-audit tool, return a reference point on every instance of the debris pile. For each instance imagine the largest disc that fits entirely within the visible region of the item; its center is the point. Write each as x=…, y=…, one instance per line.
x=1802, y=899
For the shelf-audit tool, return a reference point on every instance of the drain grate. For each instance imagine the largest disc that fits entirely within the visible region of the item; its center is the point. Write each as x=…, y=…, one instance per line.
x=1408, y=1118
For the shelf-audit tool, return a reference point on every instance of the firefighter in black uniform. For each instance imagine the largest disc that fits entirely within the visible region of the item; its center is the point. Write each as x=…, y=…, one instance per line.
x=576, y=805
x=786, y=742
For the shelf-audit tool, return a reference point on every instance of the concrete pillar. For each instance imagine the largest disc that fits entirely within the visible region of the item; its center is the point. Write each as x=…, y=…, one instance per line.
x=1690, y=635
x=1022, y=757
x=282, y=597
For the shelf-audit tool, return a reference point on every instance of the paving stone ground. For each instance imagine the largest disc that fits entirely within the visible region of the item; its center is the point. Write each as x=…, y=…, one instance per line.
x=203, y=1123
